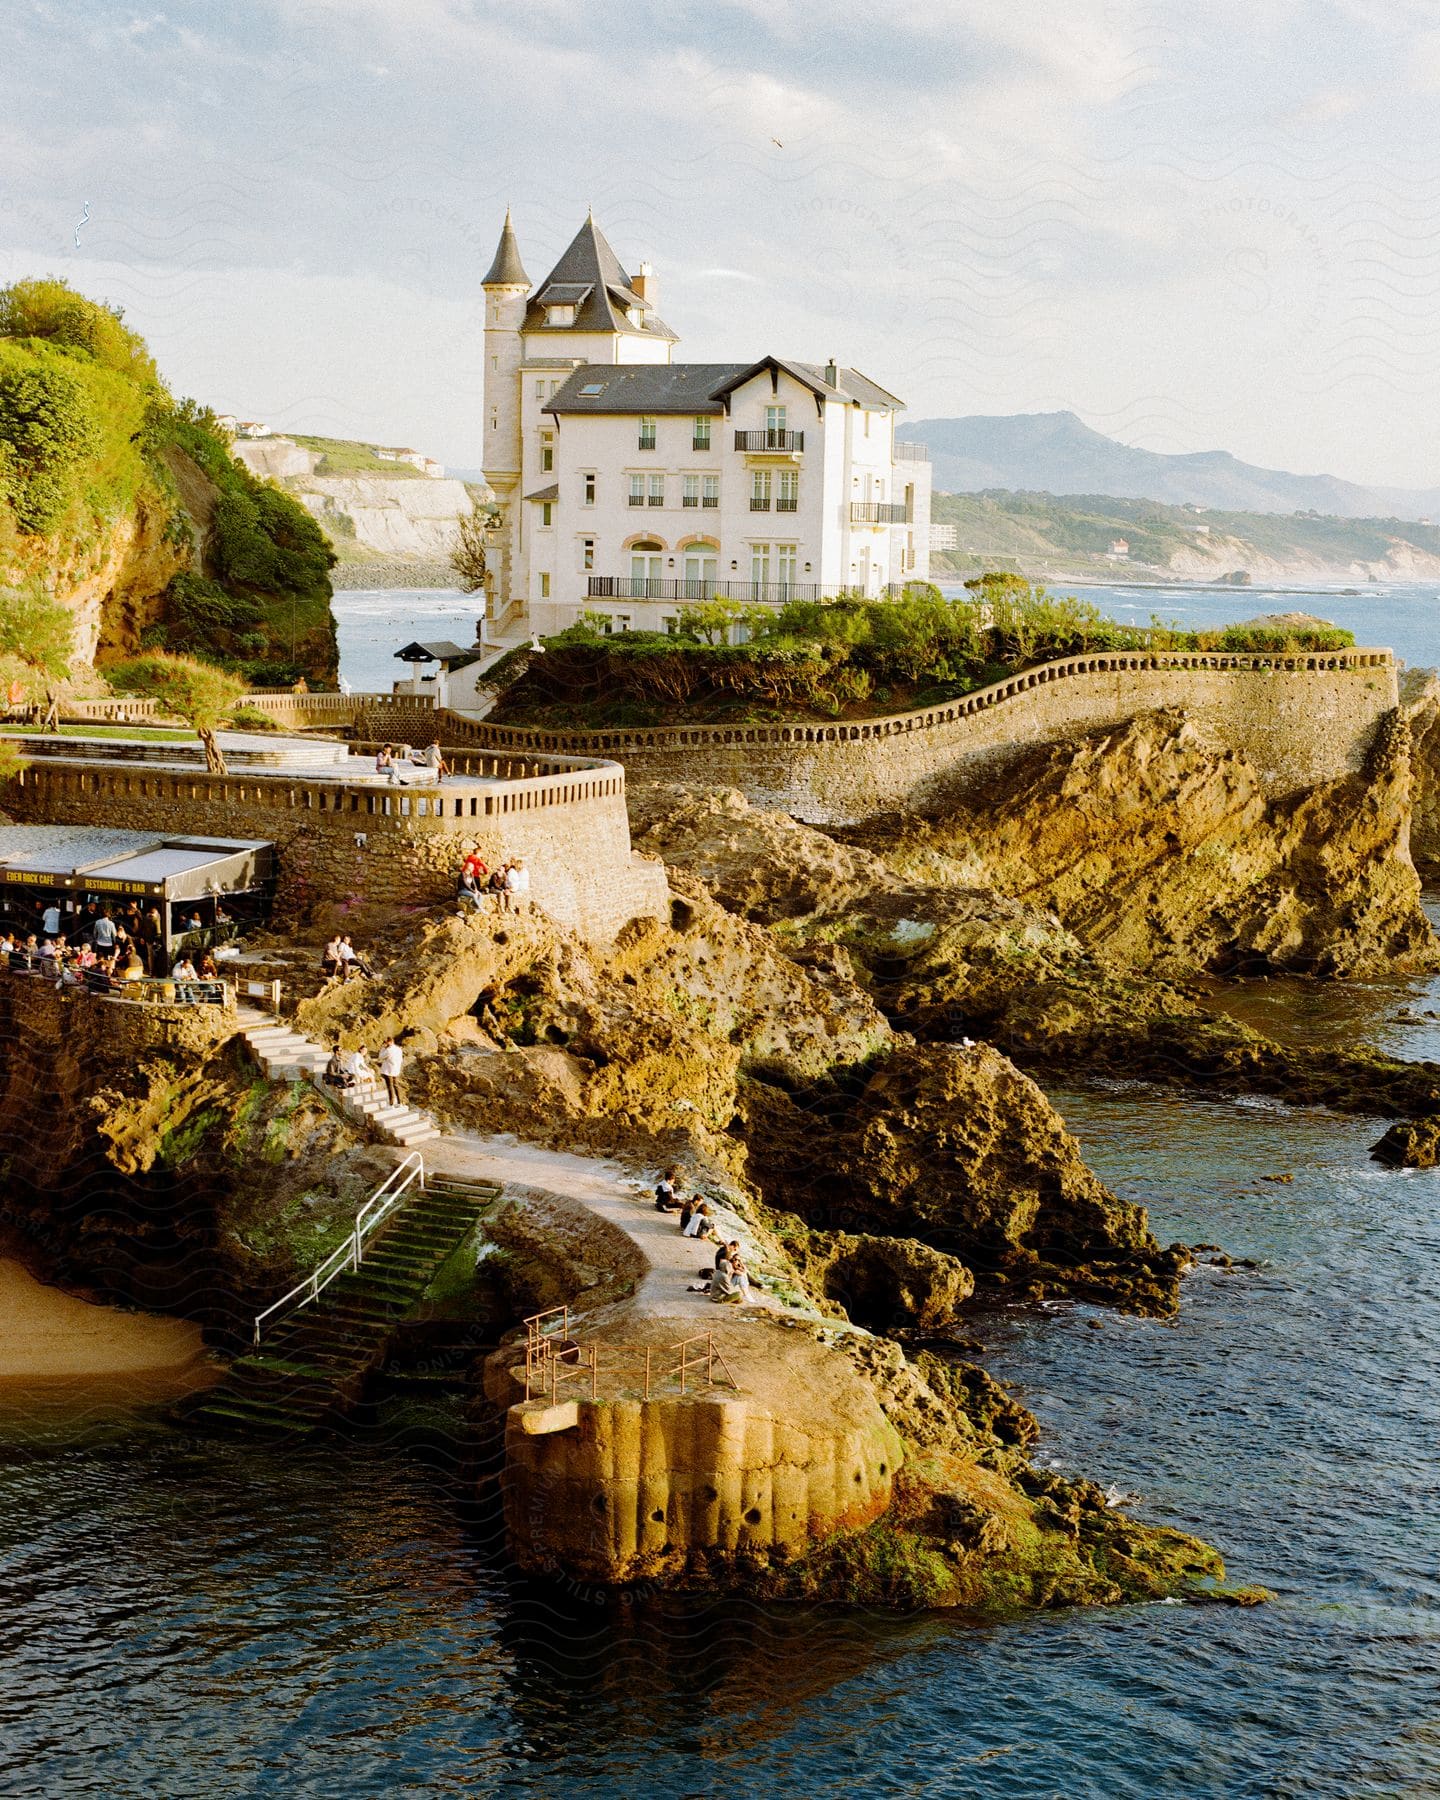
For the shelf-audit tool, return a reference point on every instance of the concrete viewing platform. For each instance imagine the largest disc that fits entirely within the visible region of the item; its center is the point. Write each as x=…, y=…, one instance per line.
x=610, y=1485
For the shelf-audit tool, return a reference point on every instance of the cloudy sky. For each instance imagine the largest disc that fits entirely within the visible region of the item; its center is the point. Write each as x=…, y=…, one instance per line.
x=1197, y=225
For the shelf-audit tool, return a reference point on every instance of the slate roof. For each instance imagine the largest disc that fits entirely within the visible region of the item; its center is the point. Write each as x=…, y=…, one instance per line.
x=590, y=269
x=442, y=650
x=849, y=384
x=644, y=388
x=699, y=387
x=507, y=270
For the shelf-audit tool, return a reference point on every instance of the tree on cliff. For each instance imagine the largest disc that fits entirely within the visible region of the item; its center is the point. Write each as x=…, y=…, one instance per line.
x=470, y=557
x=36, y=644
x=195, y=691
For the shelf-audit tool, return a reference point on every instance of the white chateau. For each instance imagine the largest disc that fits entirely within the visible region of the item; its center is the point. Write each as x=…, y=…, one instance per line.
x=632, y=483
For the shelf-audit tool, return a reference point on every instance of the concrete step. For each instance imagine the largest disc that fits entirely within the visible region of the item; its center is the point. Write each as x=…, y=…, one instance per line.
x=411, y=1135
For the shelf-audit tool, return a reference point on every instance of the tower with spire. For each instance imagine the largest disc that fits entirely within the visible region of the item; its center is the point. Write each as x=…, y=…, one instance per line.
x=586, y=310
x=507, y=287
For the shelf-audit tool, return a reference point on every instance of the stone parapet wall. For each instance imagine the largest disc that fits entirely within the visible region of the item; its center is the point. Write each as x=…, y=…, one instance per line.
x=569, y=824
x=338, y=712
x=1300, y=719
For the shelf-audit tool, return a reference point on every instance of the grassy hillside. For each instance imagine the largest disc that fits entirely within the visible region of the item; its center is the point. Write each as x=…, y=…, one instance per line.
x=114, y=495
x=1041, y=533
x=341, y=456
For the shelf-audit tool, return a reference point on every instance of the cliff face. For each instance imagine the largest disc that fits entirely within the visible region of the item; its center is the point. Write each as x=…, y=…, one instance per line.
x=1155, y=845
x=116, y=603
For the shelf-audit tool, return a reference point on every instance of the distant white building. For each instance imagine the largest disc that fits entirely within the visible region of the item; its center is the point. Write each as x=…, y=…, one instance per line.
x=1119, y=549
x=942, y=537
x=228, y=422
x=631, y=484
x=251, y=428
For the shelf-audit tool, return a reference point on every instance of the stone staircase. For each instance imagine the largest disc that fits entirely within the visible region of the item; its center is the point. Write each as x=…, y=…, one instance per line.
x=288, y=1055
x=313, y=1366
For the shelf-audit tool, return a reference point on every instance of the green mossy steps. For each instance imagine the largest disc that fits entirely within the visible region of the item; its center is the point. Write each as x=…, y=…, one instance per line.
x=313, y=1369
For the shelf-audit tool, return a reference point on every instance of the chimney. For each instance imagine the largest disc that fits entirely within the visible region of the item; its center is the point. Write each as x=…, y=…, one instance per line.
x=646, y=287
x=832, y=374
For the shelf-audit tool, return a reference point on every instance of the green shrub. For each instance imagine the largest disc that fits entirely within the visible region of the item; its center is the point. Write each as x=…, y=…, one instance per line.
x=824, y=659
x=250, y=718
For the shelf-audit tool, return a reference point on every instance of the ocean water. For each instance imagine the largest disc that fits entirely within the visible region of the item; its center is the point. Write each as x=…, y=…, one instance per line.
x=373, y=623
x=183, y=1617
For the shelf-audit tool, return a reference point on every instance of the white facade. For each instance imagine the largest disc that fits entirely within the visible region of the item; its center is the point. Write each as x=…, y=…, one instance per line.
x=632, y=484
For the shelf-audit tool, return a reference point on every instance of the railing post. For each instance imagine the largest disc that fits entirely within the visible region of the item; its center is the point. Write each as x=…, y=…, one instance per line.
x=647, y=1371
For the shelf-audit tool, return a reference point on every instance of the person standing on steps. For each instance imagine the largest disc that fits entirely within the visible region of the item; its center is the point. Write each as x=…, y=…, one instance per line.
x=391, y=1062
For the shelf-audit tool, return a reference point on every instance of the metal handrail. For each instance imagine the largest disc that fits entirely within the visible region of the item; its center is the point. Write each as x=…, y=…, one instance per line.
x=552, y=1358
x=351, y=1253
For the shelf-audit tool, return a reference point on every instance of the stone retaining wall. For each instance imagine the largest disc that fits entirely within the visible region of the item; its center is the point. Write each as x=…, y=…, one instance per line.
x=1300, y=719
x=569, y=823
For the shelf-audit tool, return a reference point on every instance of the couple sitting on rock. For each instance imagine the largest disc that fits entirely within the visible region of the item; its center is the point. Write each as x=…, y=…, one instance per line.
x=729, y=1280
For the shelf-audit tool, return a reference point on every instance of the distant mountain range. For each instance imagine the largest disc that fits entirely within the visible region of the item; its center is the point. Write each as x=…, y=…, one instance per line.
x=1057, y=453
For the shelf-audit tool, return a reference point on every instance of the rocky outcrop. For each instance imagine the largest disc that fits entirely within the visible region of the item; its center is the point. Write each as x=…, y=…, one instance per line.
x=1156, y=847
x=1410, y=1144
x=142, y=1158
x=957, y=1148
x=779, y=1065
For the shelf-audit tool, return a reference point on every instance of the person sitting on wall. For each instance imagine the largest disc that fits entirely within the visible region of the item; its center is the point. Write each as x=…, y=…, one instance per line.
x=385, y=763
x=336, y=1074
x=183, y=974
x=209, y=968
x=666, y=1199
x=331, y=962
x=496, y=884
x=434, y=760
x=470, y=888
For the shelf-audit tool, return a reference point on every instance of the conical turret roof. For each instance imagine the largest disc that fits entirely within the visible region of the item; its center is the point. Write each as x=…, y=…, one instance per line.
x=507, y=270
x=591, y=278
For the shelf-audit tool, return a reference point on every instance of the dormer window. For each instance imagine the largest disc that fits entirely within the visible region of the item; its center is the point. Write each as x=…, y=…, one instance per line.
x=636, y=316
x=559, y=315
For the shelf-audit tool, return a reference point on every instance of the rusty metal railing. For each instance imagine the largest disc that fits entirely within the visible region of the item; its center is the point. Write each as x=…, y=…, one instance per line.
x=553, y=1359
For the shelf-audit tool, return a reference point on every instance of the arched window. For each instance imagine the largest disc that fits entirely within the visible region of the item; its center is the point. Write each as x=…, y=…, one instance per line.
x=647, y=569
x=701, y=563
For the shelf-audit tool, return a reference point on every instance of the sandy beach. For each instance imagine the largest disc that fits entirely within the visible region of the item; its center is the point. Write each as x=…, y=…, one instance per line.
x=48, y=1335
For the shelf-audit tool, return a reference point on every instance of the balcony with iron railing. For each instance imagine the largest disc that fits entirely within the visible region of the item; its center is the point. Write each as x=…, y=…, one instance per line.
x=912, y=453
x=879, y=512
x=774, y=442
x=754, y=593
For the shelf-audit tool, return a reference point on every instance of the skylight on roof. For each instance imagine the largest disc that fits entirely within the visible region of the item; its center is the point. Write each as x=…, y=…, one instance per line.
x=593, y=387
